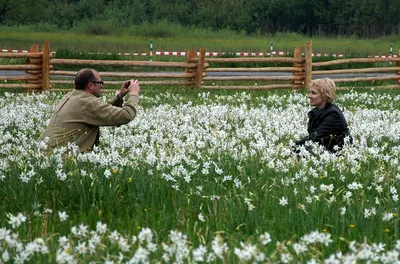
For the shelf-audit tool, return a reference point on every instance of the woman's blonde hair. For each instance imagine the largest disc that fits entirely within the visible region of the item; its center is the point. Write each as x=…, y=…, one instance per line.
x=326, y=87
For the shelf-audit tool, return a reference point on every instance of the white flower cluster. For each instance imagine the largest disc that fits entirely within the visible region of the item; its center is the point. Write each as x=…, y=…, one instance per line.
x=216, y=148
x=94, y=245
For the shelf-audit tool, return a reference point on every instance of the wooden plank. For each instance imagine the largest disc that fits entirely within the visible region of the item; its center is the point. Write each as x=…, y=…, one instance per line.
x=189, y=57
x=366, y=79
x=21, y=85
x=34, y=72
x=33, y=49
x=254, y=78
x=200, y=68
x=261, y=69
x=308, y=65
x=124, y=63
x=398, y=72
x=46, y=65
x=355, y=60
x=363, y=70
x=298, y=68
x=20, y=67
x=165, y=82
x=20, y=55
x=385, y=87
x=32, y=62
x=63, y=73
x=19, y=78
x=252, y=87
x=36, y=60
x=132, y=74
x=243, y=60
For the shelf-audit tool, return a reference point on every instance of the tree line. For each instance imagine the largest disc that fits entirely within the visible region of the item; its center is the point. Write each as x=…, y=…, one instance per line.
x=361, y=18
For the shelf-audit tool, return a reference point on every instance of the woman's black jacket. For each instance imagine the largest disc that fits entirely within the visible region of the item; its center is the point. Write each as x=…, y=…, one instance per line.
x=326, y=126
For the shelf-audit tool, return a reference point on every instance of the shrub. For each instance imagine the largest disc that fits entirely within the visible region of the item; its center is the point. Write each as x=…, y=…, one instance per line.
x=97, y=27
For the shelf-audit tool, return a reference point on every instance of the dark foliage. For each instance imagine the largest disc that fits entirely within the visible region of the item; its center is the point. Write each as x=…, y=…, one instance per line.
x=361, y=18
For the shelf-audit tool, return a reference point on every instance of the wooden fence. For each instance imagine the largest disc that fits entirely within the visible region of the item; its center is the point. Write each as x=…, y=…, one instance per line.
x=40, y=72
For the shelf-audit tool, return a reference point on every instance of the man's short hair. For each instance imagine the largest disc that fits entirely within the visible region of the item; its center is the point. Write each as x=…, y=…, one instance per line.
x=83, y=77
x=326, y=87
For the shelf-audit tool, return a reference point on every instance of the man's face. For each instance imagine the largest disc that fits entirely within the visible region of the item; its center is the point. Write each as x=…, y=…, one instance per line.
x=96, y=85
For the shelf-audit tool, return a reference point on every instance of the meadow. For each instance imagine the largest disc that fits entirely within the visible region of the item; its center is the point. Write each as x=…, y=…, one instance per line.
x=202, y=177
x=107, y=38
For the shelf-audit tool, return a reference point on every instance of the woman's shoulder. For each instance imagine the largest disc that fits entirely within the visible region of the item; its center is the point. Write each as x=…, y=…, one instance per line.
x=332, y=108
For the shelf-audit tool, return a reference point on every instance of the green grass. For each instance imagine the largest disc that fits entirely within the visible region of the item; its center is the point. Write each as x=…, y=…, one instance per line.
x=170, y=37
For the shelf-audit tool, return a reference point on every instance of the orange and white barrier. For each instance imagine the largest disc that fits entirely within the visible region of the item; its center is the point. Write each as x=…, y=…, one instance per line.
x=212, y=54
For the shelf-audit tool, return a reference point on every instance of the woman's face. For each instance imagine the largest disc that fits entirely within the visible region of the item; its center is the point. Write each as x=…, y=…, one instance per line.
x=316, y=98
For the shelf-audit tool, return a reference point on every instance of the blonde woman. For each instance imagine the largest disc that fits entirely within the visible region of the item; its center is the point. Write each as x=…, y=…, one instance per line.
x=326, y=123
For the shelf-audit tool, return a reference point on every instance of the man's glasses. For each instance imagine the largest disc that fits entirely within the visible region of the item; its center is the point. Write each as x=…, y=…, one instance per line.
x=101, y=82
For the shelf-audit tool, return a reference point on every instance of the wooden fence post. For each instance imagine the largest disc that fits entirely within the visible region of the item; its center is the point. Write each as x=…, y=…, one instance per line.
x=299, y=66
x=308, y=65
x=46, y=66
x=32, y=61
x=398, y=65
x=200, y=68
x=33, y=48
x=191, y=54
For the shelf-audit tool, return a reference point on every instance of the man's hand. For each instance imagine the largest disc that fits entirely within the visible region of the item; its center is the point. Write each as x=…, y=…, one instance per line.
x=126, y=87
x=134, y=88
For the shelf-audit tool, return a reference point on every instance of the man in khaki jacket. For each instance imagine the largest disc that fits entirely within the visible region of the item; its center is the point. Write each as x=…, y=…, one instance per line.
x=80, y=113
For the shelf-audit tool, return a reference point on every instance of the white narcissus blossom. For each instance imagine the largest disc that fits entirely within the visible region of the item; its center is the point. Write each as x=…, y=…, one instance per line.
x=199, y=253
x=246, y=252
x=387, y=216
x=107, y=174
x=367, y=213
x=219, y=247
x=114, y=236
x=5, y=256
x=101, y=228
x=201, y=217
x=145, y=235
x=265, y=238
x=299, y=248
x=16, y=221
x=123, y=244
x=80, y=231
x=81, y=248
x=63, y=216
x=283, y=201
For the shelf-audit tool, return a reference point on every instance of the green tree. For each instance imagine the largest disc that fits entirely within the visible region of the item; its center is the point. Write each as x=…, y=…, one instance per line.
x=16, y=12
x=363, y=18
x=179, y=12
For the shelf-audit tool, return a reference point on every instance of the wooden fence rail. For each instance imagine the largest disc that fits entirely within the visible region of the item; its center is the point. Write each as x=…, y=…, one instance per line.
x=395, y=70
x=295, y=65
x=40, y=72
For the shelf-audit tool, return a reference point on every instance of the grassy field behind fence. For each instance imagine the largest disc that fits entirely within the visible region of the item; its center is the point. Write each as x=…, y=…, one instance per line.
x=169, y=37
x=202, y=177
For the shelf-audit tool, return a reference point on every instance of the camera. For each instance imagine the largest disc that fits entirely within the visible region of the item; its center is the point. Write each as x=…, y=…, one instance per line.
x=128, y=83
